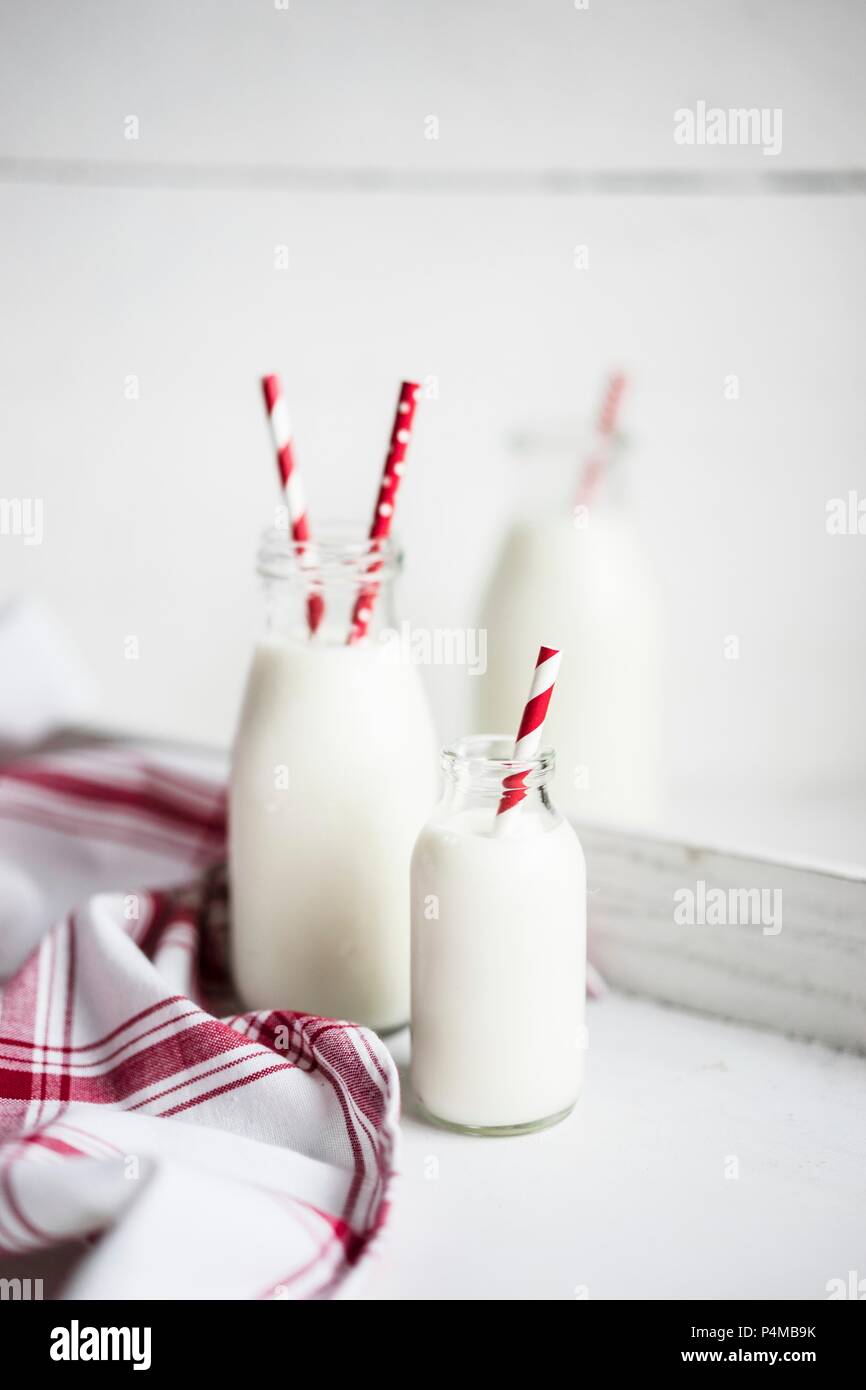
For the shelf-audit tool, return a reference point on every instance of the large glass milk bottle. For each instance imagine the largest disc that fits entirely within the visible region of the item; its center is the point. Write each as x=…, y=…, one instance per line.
x=333, y=769
x=582, y=570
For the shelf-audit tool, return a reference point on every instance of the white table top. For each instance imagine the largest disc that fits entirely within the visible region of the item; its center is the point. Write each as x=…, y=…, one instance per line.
x=628, y=1197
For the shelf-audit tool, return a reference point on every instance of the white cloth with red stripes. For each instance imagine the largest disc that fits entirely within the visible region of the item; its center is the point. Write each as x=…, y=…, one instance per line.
x=193, y=1151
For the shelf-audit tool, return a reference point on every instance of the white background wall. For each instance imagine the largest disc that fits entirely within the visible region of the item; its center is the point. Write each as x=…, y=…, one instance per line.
x=306, y=127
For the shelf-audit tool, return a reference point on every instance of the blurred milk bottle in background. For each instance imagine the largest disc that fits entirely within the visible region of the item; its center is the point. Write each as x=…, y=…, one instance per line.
x=574, y=576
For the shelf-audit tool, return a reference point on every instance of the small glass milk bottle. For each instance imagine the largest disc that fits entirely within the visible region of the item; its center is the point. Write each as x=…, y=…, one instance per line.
x=333, y=767
x=498, y=949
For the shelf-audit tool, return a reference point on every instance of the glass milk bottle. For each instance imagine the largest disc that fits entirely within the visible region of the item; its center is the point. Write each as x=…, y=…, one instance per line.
x=498, y=949
x=583, y=567
x=333, y=767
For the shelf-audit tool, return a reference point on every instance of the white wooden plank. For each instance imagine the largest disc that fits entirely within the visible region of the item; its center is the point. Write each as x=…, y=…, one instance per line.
x=797, y=964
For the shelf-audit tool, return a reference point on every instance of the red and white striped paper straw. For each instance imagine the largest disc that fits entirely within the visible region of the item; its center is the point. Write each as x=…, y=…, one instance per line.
x=392, y=473
x=529, y=734
x=293, y=491
x=605, y=428
x=609, y=412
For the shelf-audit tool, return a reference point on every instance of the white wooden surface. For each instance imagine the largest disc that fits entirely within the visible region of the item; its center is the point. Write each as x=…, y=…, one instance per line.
x=628, y=1198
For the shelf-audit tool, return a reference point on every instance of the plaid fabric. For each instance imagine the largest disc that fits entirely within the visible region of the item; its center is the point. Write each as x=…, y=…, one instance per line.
x=197, y=1152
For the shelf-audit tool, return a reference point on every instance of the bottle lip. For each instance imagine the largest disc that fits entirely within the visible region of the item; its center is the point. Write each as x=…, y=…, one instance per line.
x=335, y=550
x=485, y=759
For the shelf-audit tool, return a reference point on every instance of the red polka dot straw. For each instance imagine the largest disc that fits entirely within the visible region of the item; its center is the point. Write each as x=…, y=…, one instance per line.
x=383, y=515
x=293, y=491
x=528, y=739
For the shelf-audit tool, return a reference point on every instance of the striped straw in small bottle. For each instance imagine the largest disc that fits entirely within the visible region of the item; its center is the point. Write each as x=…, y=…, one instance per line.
x=528, y=740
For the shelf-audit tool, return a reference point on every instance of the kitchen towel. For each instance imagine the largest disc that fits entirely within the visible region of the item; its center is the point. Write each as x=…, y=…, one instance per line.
x=188, y=1150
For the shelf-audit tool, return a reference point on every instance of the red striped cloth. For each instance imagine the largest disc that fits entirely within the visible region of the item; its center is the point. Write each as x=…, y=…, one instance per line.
x=201, y=1152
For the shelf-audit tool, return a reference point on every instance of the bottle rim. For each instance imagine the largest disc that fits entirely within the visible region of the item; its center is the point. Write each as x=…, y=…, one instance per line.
x=485, y=760
x=337, y=550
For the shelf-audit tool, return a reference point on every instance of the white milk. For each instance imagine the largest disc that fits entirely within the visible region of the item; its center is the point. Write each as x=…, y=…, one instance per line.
x=333, y=771
x=498, y=969
x=588, y=593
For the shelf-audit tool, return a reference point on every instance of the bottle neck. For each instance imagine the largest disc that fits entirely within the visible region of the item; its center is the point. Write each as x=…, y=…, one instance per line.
x=481, y=769
x=602, y=484
x=332, y=590
x=572, y=466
